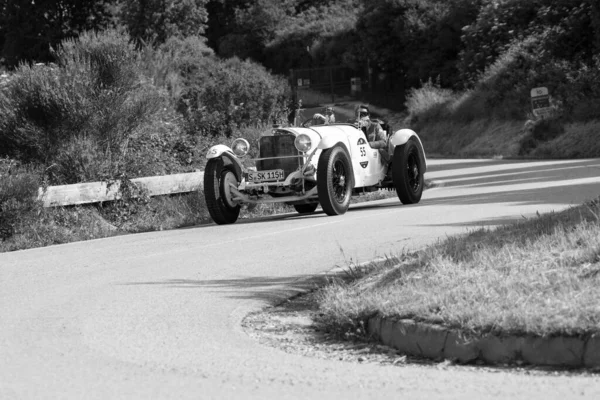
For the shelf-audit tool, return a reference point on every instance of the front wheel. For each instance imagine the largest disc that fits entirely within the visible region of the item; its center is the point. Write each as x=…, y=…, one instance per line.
x=306, y=208
x=217, y=192
x=334, y=180
x=407, y=172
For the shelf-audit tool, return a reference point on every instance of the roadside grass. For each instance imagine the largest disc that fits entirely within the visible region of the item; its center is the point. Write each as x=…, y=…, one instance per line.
x=35, y=226
x=39, y=226
x=479, y=138
x=486, y=122
x=579, y=140
x=539, y=277
x=510, y=139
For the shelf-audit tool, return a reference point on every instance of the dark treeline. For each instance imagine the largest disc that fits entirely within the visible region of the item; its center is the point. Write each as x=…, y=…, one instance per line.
x=411, y=40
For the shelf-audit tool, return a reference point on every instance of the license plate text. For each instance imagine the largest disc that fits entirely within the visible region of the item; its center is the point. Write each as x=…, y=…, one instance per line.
x=265, y=176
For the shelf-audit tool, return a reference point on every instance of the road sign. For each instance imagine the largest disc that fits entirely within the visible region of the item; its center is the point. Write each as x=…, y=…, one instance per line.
x=540, y=101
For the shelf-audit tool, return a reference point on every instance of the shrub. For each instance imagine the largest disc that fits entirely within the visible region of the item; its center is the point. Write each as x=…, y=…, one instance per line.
x=171, y=61
x=93, y=91
x=503, y=90
x=580, y=140
x=18, y=192
x=428, y=102
x=92, y=116
x=224, y=95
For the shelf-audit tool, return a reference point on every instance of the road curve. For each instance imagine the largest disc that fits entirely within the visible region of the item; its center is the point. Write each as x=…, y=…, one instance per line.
x=158, y=315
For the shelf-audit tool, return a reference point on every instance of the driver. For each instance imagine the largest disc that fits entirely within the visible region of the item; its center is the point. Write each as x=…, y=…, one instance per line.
x=375, y=134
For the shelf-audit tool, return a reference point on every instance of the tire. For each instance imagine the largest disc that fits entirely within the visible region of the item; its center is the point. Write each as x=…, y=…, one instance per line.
x=407, y=172
x=216, y=192
x=306, y=208
x=334, y=180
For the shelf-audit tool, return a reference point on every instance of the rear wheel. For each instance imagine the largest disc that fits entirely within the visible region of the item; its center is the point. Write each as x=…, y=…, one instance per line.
x=306, y=208
x=217, y=192
x=407, y=172
x=334, y=180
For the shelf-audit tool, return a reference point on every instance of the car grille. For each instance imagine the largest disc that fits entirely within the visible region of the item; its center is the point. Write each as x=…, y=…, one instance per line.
x=278, y=146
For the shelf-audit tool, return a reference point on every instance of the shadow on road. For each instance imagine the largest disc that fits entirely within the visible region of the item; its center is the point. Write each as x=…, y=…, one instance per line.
x=543, y=171
x=558, y=182
x=271, y=289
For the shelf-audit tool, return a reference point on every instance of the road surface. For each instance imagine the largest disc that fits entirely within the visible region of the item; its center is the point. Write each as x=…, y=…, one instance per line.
x=158, y=315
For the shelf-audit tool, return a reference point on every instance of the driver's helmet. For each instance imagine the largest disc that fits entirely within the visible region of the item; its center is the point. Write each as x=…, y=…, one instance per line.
x=328, y=110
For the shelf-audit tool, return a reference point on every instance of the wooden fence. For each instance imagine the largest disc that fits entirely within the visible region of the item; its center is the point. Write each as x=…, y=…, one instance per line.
x=96, y=192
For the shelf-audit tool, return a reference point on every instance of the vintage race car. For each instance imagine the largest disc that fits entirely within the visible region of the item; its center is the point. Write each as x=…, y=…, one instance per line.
x=311, y=165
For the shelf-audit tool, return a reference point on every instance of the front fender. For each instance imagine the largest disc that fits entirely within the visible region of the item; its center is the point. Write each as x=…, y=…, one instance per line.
x=228, y=158
x=332, y=139
x=402, y=136
x=218, y=150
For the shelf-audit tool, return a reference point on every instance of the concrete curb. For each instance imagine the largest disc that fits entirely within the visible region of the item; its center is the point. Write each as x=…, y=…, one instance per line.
x=436, y=342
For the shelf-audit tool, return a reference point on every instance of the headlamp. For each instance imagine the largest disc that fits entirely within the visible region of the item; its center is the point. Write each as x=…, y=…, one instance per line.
x=240, y=147
x=303, y=143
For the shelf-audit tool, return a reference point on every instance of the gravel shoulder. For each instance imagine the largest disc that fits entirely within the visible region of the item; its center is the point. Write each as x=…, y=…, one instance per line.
x=292, y=326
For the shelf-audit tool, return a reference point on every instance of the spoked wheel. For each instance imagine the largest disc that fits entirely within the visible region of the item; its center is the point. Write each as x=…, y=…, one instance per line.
x=334, y=180
x=407, y=172
x=306, y=208
x=217, y=192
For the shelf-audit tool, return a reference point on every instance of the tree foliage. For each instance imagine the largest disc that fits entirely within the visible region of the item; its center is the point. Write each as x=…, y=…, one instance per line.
x=157, y=20
x=415, y=39
x=569, y=29
x=29, y=29
x=320, y=35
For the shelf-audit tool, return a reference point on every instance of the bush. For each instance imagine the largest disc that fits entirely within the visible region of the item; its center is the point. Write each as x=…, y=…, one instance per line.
x=173, y=60
x=221, y=96
x=92, y=116
x=503, y=90
x=93, y=91
x=18, y=192
x=428, y=102
x=580, y=140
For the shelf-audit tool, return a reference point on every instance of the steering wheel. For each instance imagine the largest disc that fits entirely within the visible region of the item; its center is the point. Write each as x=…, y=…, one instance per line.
x=312, y=121
x=308, y=122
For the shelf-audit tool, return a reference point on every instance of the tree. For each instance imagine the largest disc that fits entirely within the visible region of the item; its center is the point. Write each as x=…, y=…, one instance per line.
x=157, y=20
x=570, y=30
x=255, y=25
x=414, y=40
x=29, y=29
x=221, y=19
x=320, y=35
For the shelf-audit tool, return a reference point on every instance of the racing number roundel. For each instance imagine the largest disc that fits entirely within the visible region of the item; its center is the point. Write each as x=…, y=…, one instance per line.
x=363, y=151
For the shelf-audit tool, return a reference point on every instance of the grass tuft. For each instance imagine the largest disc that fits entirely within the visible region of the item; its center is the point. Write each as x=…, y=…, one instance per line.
x=536, y=277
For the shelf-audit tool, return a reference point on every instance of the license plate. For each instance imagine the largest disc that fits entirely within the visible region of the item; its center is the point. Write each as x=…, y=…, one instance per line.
x=266, y=176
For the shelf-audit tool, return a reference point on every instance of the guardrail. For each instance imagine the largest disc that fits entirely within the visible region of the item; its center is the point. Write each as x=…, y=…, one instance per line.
x=96, y=192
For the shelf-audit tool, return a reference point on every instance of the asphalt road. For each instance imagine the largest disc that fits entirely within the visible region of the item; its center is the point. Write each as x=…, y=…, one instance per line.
x=158, y=315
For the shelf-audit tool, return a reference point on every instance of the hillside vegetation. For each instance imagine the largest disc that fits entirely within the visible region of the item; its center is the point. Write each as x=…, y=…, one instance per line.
x=114, y=89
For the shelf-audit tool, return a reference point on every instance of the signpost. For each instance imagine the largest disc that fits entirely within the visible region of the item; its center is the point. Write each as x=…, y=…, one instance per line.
x=540, y=102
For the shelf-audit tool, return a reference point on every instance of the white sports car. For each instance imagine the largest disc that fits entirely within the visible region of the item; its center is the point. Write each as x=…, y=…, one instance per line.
x=308, y=166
